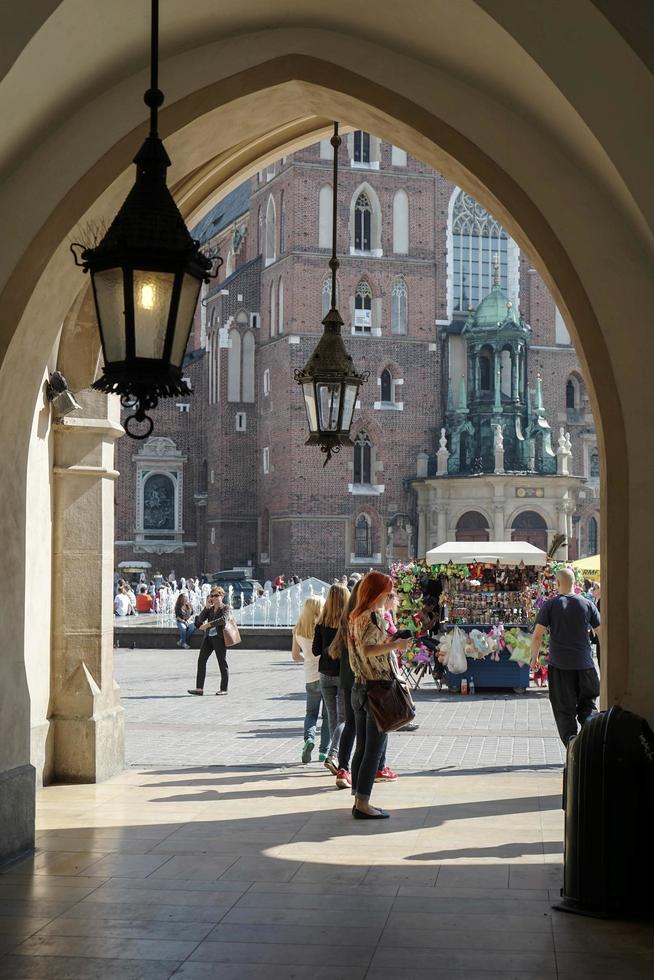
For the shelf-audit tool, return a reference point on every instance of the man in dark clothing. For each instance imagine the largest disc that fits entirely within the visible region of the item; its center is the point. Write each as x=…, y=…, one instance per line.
x=572, y=678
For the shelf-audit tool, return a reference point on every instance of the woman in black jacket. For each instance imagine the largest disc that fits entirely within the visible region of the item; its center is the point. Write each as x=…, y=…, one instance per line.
x=332, y=693
x=211, y=620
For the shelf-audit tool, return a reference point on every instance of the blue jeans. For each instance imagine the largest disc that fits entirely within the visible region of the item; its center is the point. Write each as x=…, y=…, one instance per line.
x=314, y=700
x=348, y=733
x=371, y=745
x=334, y=702
x=186, y=630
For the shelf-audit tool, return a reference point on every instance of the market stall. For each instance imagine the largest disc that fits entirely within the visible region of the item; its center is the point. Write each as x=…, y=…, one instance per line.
x=489, y=594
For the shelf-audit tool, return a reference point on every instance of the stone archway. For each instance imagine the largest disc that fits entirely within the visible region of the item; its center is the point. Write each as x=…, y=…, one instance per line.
x=531, y=527
x=568, y=191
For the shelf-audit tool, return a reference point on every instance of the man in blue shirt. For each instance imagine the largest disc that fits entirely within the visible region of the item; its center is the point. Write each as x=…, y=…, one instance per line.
x=572, y=678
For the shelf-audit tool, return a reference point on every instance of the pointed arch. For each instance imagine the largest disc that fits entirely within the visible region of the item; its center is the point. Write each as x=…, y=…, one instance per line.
x=273, y=309
x=363, y=537
x=401, y=222
x=271, y=231
x=363, y=469
x=386, y=386
x=247, y=394
x=280, y=306
x=399, y=306
x=234, y=367
x=325, y=204
x=365, y=222
x=363, y=307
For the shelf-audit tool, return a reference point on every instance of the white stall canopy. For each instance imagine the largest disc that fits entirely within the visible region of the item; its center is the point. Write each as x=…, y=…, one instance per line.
x=504, y=552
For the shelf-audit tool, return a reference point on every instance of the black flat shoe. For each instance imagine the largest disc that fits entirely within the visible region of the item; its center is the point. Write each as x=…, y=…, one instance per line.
x=196, y=690
x=360, y=815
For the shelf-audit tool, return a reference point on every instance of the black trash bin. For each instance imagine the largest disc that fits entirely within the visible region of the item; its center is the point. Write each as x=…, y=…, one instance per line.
x=609, y=816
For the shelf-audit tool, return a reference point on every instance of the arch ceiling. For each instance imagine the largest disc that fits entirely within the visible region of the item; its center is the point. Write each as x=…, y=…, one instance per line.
x=494, y=95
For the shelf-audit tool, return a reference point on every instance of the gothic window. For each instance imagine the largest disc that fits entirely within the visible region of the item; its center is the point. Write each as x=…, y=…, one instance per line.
x=363, y=460
x=248, y=367
x=401, y=223
x=271, y=231
x=472, y=526
x=362, y=537
x=280, y=306
x=361, y=147
x=570, y=401
x=592, y=536
x=234, y=367
x=282, y=224
x=386, y=386
x=159, y=503
x=362, y=223
x=476, y=238
x=594, y=463
x=399, y=313
x=273, y=310
x=363, y=308
x=325, y=203
x=259, y=231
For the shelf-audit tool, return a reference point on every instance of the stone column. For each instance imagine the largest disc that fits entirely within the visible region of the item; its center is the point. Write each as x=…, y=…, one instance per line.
x=497, y=365
x=515, y=357
x=422, y=531
x=442, y=524
x=87, y=718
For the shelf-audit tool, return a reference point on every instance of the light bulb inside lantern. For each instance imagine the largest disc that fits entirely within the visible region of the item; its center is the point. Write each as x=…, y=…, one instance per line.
x=147, y=296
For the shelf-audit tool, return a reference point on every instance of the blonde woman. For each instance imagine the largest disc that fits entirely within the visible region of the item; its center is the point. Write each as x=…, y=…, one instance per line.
x=332, y=693
x=301, y=651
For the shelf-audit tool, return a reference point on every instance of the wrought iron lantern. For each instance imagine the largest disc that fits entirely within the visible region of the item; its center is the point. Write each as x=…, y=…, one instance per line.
x=146, y=273
x=330, y=382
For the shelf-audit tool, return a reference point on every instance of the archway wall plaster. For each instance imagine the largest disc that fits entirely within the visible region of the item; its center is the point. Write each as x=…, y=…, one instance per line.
x=571, y=186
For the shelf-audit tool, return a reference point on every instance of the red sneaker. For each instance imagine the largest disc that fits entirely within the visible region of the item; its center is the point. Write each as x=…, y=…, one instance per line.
x=386, y=775
x=343, y=779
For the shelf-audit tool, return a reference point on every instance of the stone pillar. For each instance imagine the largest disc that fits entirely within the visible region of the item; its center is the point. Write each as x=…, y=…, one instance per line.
x=497, y=364
x=87, y=718
x=422, y=531
x=442, y=524
x=515, y=356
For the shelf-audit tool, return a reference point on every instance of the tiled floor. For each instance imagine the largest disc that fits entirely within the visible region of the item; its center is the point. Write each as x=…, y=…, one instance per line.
x=261, y=872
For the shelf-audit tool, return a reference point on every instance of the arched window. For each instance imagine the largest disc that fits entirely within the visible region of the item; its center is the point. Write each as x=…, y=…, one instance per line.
x=530, y=526
x=386, y=386
x=363, y=308
x=234, y=367
x=485, y=373
x=570, y=395
x=472, y=526
x=325, y=203
x=401, y=223
x=271, y=231
x=594, y=463
x=259, y=230
x=362, y=537
x=273, y=310
x=248, y=367
x=159, y=503
x=505, y=372
x=399, y=312
x=229, y=264
x=362, y=223
x=280, y=306
x=282, y=225
x=592, y=536
x=476, y=238
x=362, y=460
x=361, y=147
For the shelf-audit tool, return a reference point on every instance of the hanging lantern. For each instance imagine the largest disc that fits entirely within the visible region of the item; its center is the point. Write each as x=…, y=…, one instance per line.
x=146, y=274
x=330, y=382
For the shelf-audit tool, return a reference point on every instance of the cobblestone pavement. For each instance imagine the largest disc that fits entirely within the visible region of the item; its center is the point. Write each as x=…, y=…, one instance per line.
x=260, y=722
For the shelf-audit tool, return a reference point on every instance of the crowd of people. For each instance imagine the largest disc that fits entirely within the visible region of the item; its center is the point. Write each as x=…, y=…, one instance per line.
x=347, y=643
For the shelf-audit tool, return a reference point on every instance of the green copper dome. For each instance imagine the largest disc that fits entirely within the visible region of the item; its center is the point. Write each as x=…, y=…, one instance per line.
x=494, y=312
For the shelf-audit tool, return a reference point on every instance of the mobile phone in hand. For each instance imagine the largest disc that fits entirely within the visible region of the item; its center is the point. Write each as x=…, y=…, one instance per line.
x=403, y=635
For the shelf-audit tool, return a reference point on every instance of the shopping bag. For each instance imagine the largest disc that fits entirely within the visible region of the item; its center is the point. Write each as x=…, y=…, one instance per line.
x=457, y=662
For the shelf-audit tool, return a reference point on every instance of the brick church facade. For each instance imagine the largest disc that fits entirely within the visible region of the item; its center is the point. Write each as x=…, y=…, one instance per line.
x=226, y=479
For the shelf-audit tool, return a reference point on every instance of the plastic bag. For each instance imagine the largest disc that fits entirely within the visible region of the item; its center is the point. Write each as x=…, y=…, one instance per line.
x=456, y=662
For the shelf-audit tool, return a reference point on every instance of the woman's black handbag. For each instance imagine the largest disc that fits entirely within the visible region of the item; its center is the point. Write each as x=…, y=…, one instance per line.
x=390, y=703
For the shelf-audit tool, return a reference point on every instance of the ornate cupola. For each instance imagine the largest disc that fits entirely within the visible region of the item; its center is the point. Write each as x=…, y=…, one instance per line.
x=494, y=392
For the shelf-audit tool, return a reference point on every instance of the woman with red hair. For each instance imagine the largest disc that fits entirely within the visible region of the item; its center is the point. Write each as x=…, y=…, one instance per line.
x=370, y=650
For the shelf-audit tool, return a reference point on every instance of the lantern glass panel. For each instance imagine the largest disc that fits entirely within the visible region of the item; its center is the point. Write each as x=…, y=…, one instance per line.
x=310, y=405
x=329, y=403
x=152, y=295
x=110, y=300
x=188, y=300
x=349, y=402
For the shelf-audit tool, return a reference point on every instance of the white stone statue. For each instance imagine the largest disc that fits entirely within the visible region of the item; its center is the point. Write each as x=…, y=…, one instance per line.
x=562, y=442
x=568, y=443
x=443, y=440
x=498, y=442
